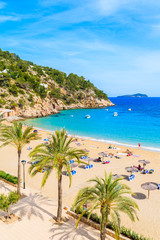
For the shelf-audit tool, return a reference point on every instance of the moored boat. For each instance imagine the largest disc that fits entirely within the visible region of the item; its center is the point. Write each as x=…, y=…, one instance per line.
x=115, y=114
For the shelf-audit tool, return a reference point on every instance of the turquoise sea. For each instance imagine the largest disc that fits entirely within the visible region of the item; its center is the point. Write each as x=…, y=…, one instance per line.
x=140, y=125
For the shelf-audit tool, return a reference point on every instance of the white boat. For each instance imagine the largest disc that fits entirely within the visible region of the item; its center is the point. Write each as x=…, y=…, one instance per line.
x=87, y=116
x=71, y=116
x=115, y=114
x=129, y=109
x=106, y=109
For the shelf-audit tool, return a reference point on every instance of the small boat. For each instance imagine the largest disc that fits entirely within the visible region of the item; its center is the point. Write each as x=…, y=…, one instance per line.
x=106, y=109
x=115, y=114
x=129, y=109
x=87, y=116
x=71, y=116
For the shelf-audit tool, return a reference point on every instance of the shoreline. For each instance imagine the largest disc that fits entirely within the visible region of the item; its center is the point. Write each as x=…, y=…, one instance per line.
x=145, y=148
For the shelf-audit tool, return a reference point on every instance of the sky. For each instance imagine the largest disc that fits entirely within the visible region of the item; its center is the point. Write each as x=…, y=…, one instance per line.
x=113, y=43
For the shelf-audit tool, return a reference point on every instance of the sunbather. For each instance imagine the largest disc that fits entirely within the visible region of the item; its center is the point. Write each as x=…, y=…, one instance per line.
x=98, y=159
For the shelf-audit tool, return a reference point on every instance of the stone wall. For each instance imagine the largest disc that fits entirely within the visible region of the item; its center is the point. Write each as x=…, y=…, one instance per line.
x=95, y=225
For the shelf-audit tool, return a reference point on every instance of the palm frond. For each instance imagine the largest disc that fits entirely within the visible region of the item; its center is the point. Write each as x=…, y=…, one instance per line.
x=109, y=196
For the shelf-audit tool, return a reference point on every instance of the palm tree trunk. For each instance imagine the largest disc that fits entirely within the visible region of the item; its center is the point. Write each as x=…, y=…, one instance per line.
x=103, y=225
x=103, y=231
x=59, y=211
x=19, y=173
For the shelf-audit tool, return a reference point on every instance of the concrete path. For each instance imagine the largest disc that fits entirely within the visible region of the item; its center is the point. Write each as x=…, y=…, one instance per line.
x=35, y=212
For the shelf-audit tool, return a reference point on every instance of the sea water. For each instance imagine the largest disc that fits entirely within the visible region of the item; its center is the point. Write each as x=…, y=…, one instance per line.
x=140, y=125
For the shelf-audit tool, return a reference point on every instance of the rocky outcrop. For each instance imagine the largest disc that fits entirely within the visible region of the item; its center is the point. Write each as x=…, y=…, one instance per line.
x=48, y=107
x=37, y=91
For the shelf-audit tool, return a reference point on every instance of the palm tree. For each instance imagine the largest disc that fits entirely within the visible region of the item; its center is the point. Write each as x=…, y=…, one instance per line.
x=110, y=198
x=55, y=155
x=14, y=136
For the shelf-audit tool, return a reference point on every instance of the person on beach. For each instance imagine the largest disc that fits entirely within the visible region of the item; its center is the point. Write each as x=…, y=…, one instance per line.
x=139, y=145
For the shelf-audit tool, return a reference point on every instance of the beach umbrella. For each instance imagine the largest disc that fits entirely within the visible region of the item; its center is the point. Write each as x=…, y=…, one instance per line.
x=103, y=154
x=73, y=165
x=86, y=150
x=149, y=186
x=131, y=169
x=88, y=160
x=46, y=140
x=115, y=176
x=144, y=162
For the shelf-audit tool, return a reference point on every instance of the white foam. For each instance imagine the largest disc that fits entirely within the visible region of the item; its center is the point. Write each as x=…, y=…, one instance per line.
x=153, y=149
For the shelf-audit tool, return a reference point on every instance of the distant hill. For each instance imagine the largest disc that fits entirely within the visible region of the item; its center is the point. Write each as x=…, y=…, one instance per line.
x=35, y=91
x=134, y=95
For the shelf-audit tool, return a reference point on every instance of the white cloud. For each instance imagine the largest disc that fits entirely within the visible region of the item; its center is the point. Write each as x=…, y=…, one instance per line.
x=111, y=6
x=4, y=18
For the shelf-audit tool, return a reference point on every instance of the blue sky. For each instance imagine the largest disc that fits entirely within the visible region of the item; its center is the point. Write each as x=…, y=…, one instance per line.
x=113, y=43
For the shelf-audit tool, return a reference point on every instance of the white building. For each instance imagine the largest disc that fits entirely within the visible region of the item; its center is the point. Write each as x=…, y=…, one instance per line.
x=4, y=113
x=44, y=85
x=4, y=71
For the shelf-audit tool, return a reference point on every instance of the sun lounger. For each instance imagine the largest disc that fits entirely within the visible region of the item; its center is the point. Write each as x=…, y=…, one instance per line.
x=83, y=157
x=106, y=162
x=29, y=148
x=151, y=171
x=46, y=139
x=71, y=161
x=35, y=162
x=130, y=178
x=42, y=170
x=73, y=172
x=88, y=166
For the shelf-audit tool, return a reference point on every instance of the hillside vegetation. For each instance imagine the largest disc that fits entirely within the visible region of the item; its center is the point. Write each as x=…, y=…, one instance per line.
x=24, y=84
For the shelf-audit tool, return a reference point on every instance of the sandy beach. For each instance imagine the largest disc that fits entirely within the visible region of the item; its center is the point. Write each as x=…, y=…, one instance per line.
x=149, y=217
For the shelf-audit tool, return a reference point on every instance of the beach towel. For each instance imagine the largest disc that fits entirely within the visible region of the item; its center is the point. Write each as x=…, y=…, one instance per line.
x=124, y=154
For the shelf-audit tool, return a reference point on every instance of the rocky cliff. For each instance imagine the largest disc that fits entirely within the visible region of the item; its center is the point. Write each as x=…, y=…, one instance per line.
x=36, y=91
x=52, y=106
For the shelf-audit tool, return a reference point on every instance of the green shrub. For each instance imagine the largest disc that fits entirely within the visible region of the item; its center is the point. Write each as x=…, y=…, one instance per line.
x=3, y=95
x=21, y=91
x=7, y=200
x=30, y=97
x=124, y=231
x=21, y=103
x=13, y=90
x=32, y=104
x=8, y=177
x=13, y=105
x=2, y=102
